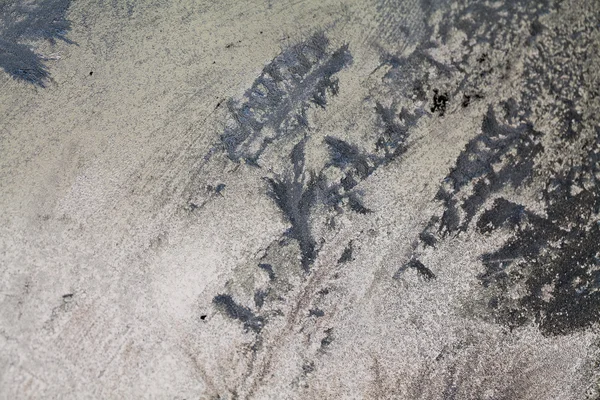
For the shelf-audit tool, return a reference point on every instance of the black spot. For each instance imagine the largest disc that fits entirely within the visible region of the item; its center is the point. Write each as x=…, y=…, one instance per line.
x=91, y=73
x=439, y=102
x=203, y=317
x=466, y=100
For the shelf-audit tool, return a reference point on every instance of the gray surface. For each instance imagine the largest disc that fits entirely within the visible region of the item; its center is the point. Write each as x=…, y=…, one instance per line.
x=299, y=199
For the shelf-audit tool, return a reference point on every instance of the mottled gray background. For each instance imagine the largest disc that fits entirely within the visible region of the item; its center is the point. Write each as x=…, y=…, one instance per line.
x=380, y=199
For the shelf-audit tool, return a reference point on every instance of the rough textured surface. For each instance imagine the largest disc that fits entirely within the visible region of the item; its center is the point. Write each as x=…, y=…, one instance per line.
x=382, y=199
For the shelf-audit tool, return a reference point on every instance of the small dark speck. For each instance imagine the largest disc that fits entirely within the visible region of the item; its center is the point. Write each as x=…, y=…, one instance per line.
x=218, y=104
x=67, y=296
x=261, y=32
x=229, y=46
x=439, y=102
x=203, y=317
x=91, y=73
x=466, y=100
x=193, y=206
x=214, y=62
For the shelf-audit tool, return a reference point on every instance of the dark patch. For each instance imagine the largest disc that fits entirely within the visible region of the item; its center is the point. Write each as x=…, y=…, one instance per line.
x=511, y=110
x=418, y=266
x=91, y=73
x=259, y=298
x=502, y=213
x=315, y=312
x=22, y=22
x=556, y=257
x=302, y=75
x=203, y=317
x=428, y=239
x=241, y=313
x=217, y=189
x=425, y=272
x=439, y=102
x=427, y=236
x=393, y=134
x=308, y=367
x=295, y=202
x=468, y=98
x=501, y=155
x=67, y=297
x=269, y=269
x=328, y=339
x=562, y=281
x=344, y=155
x=356, y=205
x=347, y=254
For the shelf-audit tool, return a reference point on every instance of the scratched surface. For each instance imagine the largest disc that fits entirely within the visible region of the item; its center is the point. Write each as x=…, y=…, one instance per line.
x=246, y=199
